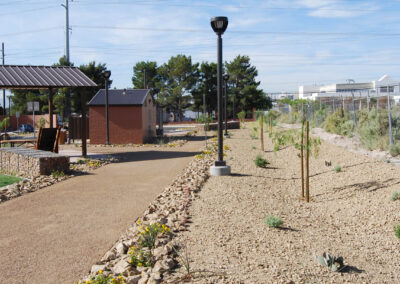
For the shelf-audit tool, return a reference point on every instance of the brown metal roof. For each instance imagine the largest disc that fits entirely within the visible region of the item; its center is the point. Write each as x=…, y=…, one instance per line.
x=42, y=77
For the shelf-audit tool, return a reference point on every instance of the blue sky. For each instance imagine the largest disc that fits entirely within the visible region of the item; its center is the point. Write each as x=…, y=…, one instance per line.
x=291, y=42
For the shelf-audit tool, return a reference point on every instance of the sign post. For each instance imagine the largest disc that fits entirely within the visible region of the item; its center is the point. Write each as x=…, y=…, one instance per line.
x=33, y=106
x=17, y=116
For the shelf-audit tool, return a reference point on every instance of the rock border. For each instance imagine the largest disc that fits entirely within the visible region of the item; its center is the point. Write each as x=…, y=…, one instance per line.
x=168, y=208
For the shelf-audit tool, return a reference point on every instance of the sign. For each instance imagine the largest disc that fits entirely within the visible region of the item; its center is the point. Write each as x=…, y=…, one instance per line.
x=33, y=106
x=17, y=114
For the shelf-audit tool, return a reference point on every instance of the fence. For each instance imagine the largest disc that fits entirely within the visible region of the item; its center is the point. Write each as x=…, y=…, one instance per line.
x=375, y=119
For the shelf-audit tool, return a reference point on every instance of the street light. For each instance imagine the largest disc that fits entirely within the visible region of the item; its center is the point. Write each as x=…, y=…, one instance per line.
x=226, y=78
x=219, y=25
x=107, y=75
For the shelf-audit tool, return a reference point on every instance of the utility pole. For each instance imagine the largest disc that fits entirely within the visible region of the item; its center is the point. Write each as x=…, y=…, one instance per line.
x=4, y=91
x=66, y=6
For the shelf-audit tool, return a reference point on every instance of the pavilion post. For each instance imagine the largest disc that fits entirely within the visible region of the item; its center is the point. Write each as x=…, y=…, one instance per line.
x=51, y=107
x=83, y=122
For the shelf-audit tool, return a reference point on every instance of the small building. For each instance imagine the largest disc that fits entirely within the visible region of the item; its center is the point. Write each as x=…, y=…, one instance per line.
x=132, y=116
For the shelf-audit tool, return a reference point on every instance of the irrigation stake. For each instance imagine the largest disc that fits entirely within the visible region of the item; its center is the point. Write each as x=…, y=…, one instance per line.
x=302, y=159
x=307, y=165
x=261, y=122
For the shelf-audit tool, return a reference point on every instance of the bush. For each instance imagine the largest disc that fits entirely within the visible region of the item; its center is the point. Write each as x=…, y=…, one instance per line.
x=397, y=231
x=241, y=116
x=395, y=196
x=260, y=162
x=273, y=222
x=337, y=169
x=57, y=174
x=395, y=149
x=373, y=129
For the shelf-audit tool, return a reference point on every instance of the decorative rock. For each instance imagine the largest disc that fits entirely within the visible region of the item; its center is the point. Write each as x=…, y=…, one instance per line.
x=133, y=279
x=121, y=248
x=96, y=268
x=110, y=255
x=144, y=278
x=121, y=267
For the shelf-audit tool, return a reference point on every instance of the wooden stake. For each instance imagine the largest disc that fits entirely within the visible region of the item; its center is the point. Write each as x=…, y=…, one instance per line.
x=302, y=158
x=307, y=164
x=261, y=122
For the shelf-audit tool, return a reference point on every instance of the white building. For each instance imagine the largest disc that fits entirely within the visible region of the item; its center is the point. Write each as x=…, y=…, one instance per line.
x=377, y=88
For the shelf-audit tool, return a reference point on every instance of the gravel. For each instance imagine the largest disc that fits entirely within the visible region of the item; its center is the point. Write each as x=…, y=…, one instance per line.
x=350, y=215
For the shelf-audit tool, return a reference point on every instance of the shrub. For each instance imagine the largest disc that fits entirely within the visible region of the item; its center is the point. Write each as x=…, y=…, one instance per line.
x=395, y=196
x=273, y=222
x=395, y=149
x=337, y=169
x=102, y=279
x=148, y=234
x=241, y=116
x=57, y=174
x=253, y=147
x=140, y=257
x=397, y=231
x=260, y=162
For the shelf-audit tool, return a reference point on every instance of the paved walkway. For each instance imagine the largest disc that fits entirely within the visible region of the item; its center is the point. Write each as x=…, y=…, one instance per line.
x=54, y=235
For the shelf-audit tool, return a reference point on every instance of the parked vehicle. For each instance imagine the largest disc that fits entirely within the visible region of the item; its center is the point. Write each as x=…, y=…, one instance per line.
x=26, y=128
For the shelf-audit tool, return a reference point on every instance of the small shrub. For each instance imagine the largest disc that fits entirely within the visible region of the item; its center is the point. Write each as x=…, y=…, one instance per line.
x=395, y=149
x=57, y=174
x=140, y=257
x=395, y=196
x=241, y=116
x=102, y=279
x=148, y=234
x=260, y=162
x=273, y=222
x=253, y=147
x=337, y=169
x=397, y=231
x=254, y=135
x=332, y=262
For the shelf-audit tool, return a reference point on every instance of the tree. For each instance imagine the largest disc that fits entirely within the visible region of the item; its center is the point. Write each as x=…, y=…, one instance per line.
x=244, y=87
x=207, y=84
x=178, y=77
x=146, y=71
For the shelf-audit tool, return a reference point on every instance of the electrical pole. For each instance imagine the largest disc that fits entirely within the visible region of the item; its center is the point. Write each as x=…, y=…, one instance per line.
x=4, y=91
x=66, y=6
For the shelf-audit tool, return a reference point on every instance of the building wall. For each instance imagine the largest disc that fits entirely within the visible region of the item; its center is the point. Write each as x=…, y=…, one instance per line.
x=149, y=116
x=125, y=125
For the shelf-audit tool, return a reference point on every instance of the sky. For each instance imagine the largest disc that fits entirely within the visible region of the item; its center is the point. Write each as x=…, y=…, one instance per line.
x=291, y=43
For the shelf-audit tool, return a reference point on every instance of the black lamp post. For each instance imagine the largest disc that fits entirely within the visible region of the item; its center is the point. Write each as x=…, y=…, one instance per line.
x=107, y=75
x=226, y=78
x=219, y=25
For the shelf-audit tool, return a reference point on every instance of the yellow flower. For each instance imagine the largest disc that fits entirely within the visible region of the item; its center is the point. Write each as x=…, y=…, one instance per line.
x=138, y=221
x=100, y=271
x=139, y=264
x=147, y=229
x=140, y=228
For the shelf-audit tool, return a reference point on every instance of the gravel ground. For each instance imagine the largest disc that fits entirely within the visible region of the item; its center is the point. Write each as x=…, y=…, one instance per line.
x=350, y=215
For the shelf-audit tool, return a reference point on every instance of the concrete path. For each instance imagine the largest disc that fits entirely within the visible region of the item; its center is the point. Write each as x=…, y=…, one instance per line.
x=54, y=235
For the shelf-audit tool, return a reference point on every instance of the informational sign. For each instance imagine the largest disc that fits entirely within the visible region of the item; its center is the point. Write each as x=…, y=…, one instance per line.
x=33, y=106
x=17, y=114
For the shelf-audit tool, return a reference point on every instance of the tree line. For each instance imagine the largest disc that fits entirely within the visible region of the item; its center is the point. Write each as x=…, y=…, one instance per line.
x=181, y=84
x=177, y=85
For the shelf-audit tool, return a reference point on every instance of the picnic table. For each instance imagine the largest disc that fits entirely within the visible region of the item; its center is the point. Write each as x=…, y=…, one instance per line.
x=21, y=142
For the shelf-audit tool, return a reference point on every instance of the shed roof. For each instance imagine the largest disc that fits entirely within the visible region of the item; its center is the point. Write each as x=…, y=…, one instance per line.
x=120, y=97
x=42, y=77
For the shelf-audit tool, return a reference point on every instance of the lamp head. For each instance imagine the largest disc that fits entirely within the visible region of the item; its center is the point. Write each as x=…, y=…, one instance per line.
x=107, y=74
x=226, y=76
x=219, y=24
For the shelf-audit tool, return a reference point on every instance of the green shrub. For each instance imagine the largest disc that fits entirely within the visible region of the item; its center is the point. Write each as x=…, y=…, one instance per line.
x=241, y=116
x=395, y=196
x=273, y=222
x=140, y=257
x=57, y=174
x=260, y=162
x=337, y=169
x=373, y=129
x=395, y=149
x=334, y=122
x=347, y=128
x=397, y=231
x=253, y=147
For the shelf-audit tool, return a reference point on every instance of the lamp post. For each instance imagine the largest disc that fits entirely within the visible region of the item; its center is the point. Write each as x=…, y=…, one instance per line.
x=226, y=78
x=219, y=25
x=107, y=75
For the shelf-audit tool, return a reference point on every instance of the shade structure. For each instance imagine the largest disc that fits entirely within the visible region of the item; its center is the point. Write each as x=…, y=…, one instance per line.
x=42, y=77
x=28, y=77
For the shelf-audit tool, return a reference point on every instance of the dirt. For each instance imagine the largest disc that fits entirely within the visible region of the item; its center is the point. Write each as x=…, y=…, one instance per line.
x=350, y=215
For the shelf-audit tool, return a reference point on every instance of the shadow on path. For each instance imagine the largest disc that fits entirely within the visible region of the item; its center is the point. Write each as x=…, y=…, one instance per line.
x=152, y=155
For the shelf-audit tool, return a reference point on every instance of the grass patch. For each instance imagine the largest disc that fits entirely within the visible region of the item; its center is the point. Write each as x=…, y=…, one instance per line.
x=6, y=180
x=395, y=196
x=397, y=231
x=337, y=169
